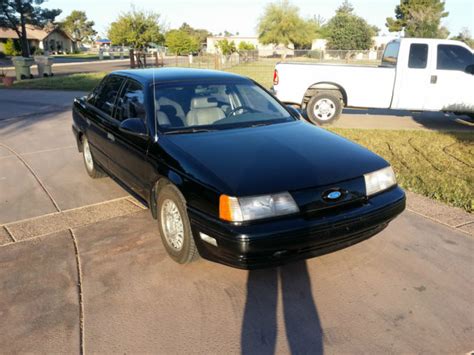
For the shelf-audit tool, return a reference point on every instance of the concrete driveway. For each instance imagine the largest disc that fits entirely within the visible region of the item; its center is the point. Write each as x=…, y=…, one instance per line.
x=82, y=269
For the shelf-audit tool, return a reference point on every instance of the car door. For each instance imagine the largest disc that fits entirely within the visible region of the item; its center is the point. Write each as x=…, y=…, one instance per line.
x=451, y=86
x=100, y=107
x=129, y=152
x=413, y=77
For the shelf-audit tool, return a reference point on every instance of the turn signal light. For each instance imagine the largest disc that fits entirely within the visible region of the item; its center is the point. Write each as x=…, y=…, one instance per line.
x=229, y=209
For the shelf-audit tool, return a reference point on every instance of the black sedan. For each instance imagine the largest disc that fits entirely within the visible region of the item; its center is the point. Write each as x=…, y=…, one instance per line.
x=229, y=172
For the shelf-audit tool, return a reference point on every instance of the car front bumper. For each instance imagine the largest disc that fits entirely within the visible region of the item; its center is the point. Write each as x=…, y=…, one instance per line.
x=275, y=242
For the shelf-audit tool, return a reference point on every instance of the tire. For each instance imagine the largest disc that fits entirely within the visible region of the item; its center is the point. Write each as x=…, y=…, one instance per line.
x=324, y=108
x=92, y=169
x=174, y=226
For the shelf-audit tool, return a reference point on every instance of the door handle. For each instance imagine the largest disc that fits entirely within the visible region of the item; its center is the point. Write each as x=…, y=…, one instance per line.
x=111, y=137
x=434, y=79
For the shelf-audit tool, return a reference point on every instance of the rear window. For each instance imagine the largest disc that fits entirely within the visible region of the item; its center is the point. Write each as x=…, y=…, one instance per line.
x=390, y=54
x=418, y=57
x=451, y=57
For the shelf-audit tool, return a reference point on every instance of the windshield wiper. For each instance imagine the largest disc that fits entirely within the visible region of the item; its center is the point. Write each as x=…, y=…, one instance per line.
x=260, y=124
x=190, y=130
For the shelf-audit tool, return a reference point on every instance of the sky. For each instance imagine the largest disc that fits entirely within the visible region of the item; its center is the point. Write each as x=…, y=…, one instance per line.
x=242, y=15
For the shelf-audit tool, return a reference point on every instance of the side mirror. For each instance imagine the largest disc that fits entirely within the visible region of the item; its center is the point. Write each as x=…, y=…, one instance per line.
x=470, y=69
x=296, y=112
x=134, y=126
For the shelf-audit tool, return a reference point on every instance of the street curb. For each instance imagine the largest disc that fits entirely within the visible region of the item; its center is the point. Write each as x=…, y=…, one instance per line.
x=453, y=217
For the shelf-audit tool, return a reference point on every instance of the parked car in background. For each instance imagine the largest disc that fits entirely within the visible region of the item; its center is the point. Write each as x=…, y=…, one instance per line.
x=416, y=74
x=228, y=171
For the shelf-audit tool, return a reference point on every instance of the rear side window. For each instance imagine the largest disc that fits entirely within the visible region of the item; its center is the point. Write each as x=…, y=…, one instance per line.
x=451, y=57
x=131, y=103
x=418, y=57
x=390, y=54
x=106, y=96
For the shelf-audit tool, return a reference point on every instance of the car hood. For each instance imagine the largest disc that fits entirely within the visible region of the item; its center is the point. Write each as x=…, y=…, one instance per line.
x=269, y=159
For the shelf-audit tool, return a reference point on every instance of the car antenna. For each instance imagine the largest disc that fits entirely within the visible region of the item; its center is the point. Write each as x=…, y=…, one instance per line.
x=154, y=107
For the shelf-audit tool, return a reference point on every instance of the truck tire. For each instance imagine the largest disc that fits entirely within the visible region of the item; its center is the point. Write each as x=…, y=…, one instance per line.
x=324, y=108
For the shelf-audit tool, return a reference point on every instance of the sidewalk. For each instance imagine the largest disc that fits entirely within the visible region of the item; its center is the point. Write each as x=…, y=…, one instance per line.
x=17, y=103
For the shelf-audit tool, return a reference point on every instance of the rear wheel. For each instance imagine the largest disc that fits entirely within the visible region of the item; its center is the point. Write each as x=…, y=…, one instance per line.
x=174, y=226
x=91, y=167
x=324, y=108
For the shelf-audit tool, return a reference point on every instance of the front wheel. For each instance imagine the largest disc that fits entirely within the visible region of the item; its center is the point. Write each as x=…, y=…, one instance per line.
x=324, y=108
x=174, y=226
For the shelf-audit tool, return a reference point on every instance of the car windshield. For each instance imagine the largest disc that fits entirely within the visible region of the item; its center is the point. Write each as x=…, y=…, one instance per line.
x=183, y=107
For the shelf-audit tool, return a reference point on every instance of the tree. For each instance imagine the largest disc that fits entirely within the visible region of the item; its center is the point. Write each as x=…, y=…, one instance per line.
x=16, y=14
x=465, y=36
x=77, y=25
x=136, y=29
x=246, y=46
x=347, y=31
x=180, y=42
x=226, y=47
x=419, y=18
x=281, y=23
x=200, y=34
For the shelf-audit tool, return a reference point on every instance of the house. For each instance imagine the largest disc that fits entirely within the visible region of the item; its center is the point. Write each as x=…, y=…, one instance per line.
x=49, y=40
x=264, y=50
x=103, y=42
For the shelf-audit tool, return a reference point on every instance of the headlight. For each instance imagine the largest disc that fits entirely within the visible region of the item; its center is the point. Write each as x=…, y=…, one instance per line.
x=241, y=209
x=379, y=180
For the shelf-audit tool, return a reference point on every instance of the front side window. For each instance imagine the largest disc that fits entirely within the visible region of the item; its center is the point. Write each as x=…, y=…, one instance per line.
x=418, y=57
x=216, y=106
x=131, y=103
x=390, y=54
x=107, y=94
x=452, y=57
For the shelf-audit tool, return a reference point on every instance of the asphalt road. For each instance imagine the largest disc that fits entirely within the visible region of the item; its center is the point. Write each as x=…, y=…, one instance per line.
x=82, y=268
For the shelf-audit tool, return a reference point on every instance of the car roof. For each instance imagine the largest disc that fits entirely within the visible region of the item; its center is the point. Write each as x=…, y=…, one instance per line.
x=160, y=75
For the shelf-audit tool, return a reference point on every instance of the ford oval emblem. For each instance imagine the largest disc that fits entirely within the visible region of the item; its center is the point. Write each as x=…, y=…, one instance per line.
x=334, y=195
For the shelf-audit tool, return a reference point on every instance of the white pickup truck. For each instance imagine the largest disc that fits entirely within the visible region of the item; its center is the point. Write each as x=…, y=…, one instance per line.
x=415, y=74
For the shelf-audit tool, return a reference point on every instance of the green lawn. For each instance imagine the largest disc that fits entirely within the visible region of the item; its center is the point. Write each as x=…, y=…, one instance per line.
x=437, y=165
x=260, y=71
x=78, y=56
x=77, y=82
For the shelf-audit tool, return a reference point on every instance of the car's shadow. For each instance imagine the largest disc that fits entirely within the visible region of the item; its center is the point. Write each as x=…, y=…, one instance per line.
x=302, y=324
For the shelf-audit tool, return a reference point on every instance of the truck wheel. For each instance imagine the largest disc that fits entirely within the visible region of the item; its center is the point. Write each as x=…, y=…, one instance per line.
x=324, y=108
x=174, y=226
x=91, y=167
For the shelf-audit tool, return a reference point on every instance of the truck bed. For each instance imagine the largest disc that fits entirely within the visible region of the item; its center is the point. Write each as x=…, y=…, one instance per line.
x=369, y=86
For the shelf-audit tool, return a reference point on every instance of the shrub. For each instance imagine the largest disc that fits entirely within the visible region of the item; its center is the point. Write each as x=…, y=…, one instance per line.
x=38, y=51
x=11, y=48
x=315, y=54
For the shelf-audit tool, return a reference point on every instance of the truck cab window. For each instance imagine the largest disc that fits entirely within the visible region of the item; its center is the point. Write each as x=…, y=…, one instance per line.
x=390, y=54
x=418, y=56
x=131, y=103
x=451, y=57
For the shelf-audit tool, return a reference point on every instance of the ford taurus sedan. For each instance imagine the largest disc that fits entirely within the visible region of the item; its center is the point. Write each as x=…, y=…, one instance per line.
x=229, y=172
